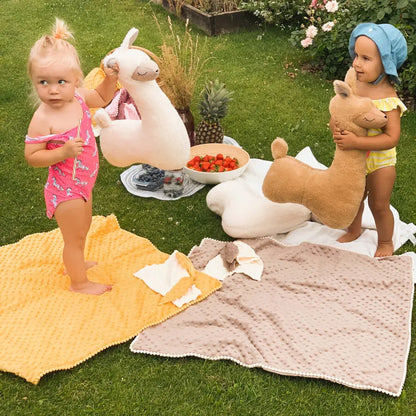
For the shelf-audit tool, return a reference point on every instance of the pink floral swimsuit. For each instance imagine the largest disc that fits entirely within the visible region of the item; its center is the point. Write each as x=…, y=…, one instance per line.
x=60, y=186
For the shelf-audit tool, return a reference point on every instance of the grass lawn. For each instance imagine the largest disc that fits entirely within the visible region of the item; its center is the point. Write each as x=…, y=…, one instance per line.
x=268, y=101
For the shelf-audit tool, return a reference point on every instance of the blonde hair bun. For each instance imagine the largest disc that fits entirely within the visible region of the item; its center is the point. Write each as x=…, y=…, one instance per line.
x=60, y=30
x=55, y=47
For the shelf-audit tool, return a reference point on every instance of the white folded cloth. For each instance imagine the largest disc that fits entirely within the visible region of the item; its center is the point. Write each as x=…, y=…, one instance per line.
x=163, y=277
x=246, y=261
x=192, y=293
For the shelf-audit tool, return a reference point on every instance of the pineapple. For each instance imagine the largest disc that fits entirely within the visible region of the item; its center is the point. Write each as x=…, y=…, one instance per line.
x=213, y=107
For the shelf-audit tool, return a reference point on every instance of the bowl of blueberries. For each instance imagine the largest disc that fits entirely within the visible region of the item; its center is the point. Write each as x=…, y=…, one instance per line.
x=152, y=179
x=149, y=178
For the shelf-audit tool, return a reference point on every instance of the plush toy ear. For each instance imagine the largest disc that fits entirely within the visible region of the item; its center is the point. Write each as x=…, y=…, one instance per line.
x=351, y=79
x=343, y=89
x=130, y=38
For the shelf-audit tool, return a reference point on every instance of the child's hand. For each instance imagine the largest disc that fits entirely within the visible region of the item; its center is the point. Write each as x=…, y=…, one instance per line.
x=345, y=139
x=73, y=147
x=111, y=72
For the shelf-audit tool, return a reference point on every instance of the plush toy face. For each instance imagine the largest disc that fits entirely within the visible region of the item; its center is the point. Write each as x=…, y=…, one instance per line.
x=352, y=110
x=159, y=138
x=132, y=63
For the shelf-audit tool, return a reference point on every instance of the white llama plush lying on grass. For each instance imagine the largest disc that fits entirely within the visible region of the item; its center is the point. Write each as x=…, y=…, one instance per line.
x=160, y=137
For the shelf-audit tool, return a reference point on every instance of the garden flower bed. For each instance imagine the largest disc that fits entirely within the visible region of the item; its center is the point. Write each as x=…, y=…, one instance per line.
x=214, y=23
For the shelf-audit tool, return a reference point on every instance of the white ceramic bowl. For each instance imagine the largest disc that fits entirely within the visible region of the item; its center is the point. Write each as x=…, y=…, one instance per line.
x=213, y=149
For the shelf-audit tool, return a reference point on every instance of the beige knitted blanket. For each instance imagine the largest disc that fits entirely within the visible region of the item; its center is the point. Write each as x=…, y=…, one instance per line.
x=317, y=312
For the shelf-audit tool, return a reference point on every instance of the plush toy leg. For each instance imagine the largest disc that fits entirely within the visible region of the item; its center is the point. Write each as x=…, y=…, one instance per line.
x=102, y=118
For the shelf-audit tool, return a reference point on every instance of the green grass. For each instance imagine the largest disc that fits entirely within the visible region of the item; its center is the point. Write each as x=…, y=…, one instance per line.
x=267, y=103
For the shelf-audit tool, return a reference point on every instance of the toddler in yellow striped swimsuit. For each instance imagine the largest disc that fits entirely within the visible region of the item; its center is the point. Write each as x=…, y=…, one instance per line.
x=378, y=51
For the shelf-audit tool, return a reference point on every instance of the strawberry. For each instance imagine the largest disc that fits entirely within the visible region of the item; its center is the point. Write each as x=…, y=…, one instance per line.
x=205, y=165
x=209, y=163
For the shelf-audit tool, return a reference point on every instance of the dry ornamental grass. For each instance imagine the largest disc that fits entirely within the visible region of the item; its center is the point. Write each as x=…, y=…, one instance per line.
x=181, y=63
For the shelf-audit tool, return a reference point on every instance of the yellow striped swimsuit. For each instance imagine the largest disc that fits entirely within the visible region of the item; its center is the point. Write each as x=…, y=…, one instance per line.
x=377, y=159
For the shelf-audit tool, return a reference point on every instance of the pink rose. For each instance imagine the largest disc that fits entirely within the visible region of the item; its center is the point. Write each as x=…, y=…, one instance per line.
x=306, y=42
x=313, y=3
x=331, y=6
x=327, y=27
x=311, y=31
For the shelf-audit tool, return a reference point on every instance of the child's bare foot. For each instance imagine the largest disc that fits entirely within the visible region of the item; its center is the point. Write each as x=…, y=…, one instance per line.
x=384, y=249
x=90, y=288
x=348, y=237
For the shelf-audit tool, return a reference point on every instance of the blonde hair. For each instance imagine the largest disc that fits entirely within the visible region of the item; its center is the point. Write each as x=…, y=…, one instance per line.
x=53, y=48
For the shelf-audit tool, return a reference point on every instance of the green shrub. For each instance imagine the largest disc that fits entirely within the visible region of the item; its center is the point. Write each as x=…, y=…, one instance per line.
x=281, y=13
x=209, y=6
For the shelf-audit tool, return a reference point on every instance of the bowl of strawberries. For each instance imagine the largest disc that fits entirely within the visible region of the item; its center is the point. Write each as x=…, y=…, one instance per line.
x=213, y=163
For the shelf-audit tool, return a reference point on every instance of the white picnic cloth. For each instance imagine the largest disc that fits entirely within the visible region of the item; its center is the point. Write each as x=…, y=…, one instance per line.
x=315, y=232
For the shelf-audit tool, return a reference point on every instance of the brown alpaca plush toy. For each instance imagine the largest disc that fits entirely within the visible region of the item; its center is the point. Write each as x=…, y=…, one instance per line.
x=334, y=194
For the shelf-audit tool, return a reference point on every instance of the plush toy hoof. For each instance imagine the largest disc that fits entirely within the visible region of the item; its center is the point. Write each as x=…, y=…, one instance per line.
x=279, y=148
x=102, y=118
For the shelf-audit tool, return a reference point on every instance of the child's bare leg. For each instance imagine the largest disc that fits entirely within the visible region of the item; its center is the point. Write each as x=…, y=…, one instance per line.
x=74, y=220
x=354, y=230
x=380, y=187
x=88, y=265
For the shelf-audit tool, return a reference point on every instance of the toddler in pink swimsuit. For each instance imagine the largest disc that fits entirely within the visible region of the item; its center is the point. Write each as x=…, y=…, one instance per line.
x=62, y=184
x=60, y=137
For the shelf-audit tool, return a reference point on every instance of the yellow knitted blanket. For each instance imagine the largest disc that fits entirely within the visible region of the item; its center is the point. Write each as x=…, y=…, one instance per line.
x=44, y=327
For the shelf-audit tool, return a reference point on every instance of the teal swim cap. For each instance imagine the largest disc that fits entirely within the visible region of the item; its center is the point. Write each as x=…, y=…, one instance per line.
x=390, y=43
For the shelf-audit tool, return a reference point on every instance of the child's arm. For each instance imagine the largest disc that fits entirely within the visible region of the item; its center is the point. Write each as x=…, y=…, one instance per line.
x=389, y=138
x=103, y=93
x=38, y=156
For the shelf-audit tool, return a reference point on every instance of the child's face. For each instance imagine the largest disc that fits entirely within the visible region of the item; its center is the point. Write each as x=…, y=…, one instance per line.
x=55, y=83
x=367, y=62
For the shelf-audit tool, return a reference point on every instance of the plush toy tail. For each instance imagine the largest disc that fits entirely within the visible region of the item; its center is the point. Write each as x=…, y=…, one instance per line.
x=102, y=118
x=279, y=148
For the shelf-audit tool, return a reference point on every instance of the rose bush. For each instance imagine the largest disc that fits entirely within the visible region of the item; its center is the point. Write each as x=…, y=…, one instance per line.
x=321, y=29
x=335, y=21
x=319, y=12
x=323, y=35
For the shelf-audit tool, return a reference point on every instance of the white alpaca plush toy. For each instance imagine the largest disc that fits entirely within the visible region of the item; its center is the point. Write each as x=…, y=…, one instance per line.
x=160, y=138
x=246, y=212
